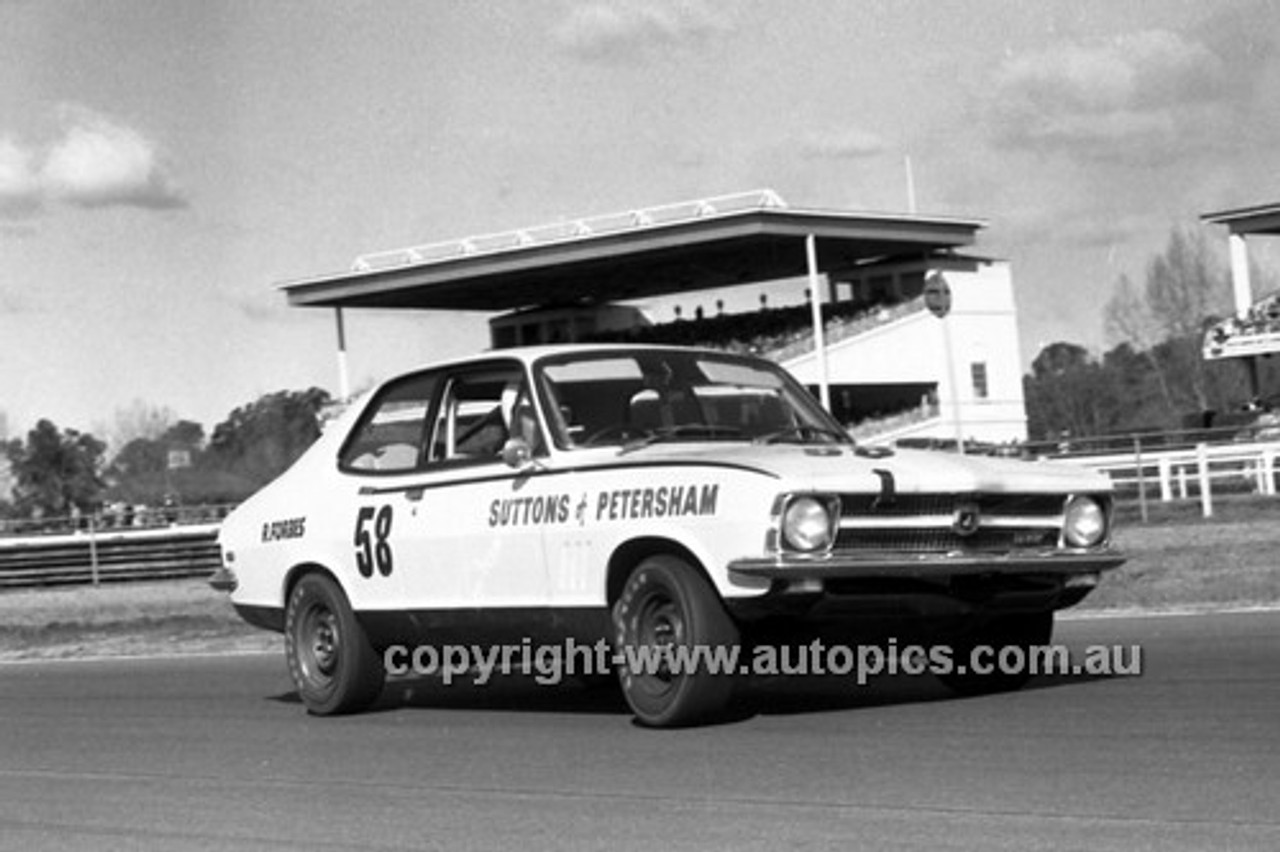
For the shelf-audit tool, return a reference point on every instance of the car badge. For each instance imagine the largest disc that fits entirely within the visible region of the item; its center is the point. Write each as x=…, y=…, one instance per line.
x=966, y=519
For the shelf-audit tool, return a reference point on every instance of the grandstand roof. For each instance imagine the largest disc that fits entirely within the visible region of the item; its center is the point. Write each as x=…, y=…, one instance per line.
x=696, y=245
x=1262, y=219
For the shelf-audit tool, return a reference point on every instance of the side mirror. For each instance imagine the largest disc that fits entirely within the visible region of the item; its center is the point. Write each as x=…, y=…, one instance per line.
x=516, y=453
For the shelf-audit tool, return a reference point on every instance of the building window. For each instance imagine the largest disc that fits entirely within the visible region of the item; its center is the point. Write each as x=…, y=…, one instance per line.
x=978, y=372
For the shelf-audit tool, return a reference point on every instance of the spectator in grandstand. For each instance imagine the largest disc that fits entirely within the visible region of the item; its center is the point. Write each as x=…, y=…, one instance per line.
x=1268, y=424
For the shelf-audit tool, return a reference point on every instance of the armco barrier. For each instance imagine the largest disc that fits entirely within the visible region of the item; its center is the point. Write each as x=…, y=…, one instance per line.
x=94, y=557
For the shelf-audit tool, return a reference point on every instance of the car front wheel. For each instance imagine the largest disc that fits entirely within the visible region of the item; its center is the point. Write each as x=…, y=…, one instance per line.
x=332, y=664
x=675, y=638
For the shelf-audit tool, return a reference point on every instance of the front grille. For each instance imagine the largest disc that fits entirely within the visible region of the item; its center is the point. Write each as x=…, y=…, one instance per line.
x=993, y=505
x=933, y=539
x=1006, y=522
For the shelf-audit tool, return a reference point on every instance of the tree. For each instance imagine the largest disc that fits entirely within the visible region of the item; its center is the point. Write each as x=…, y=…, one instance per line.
x=56, y=472
x=258, y=442
x=1185, y=287
x=1138, y=390
x=142, y=472
x=1067, y=392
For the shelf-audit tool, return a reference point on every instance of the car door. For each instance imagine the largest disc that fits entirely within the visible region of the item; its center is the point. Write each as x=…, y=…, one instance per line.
x=441, y=521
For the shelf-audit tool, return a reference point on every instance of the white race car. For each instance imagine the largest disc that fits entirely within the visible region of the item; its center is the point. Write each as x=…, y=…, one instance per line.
x=641, y=497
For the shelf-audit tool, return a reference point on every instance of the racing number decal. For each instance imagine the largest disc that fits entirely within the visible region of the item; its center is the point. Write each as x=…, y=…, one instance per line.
x=372, y=548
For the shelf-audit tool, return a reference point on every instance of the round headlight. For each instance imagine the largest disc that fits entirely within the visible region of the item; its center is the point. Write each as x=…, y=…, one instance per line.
x=1085, y=523
x=806, y=524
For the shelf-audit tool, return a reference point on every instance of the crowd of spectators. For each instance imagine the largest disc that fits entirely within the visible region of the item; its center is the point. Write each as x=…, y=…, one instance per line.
x=774, y=333
x=1262, y=319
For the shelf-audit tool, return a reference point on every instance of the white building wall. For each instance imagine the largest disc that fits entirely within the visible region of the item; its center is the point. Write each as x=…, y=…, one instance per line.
x=982, y=328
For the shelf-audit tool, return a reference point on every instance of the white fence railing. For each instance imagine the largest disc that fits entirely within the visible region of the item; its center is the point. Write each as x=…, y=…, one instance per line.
x=1190, y=471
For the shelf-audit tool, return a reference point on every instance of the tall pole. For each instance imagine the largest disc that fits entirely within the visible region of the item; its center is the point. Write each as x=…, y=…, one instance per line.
x=955, y=385
x=937, y=298
x=819, y=332
x=911, y=184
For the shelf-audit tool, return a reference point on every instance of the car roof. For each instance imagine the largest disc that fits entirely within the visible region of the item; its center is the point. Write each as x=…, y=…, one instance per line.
x=530, y=354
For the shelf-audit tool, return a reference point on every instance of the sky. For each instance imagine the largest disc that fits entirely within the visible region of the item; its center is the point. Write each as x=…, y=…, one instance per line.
x=166, y=164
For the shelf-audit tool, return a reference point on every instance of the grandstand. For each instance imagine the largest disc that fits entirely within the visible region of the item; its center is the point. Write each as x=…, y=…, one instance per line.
x=888, y=368
x=1254, y=330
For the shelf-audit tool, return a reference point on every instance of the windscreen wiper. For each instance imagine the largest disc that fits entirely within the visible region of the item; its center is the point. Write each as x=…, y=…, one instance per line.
x=680, y=430
x=804, y=433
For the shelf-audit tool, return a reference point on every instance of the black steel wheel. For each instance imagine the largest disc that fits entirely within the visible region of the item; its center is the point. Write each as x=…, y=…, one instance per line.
x=332, y=664
x=667, y=614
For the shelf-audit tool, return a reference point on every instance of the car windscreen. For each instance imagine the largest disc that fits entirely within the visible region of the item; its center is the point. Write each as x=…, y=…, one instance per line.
x=643, y=396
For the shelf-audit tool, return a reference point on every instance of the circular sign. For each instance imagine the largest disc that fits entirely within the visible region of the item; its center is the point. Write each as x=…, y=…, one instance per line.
x=937, y=295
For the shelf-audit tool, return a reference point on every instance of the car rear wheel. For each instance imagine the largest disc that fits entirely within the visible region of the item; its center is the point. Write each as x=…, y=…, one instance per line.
x=332, y=664
x=667, y=615
x=1001, y=635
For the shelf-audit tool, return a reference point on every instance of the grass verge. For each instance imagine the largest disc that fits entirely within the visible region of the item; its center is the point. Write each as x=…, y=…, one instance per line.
x=173, y=616
x=1180, y=558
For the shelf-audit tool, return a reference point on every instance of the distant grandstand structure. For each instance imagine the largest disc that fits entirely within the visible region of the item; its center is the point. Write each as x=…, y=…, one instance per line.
x=1254, y=330
x=885, y=350
x=743, y=272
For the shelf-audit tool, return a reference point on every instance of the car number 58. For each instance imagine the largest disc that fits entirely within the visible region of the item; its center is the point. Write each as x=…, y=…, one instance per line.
x=372, y=548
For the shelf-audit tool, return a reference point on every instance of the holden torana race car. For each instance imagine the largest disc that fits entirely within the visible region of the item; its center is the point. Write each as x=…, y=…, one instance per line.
x=642, y=496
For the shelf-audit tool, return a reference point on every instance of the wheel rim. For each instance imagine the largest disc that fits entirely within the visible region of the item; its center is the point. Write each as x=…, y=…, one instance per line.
x=319, y=645
x=659, y=623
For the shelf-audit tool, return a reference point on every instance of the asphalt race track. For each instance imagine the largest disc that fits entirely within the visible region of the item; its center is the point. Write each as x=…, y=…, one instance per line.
x=216, y=753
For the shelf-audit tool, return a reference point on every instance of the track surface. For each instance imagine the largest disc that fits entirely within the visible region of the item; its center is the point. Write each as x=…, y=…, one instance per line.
x=216, y=753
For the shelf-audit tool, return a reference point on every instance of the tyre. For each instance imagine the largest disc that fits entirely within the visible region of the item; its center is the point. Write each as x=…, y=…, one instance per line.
x=1021, y=630
x=332, y=664
x=668, y=607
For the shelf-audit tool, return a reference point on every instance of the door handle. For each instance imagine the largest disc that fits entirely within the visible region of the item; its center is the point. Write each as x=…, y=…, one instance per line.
x=414, y=494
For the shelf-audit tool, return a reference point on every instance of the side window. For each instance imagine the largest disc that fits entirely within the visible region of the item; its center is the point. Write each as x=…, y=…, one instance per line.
x=391, y=434
x=479, y=411
x=978, y=373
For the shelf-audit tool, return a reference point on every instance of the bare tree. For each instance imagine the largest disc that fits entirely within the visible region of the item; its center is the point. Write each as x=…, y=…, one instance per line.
x=138, y=420
x=1185, y=287
x=1129, y=320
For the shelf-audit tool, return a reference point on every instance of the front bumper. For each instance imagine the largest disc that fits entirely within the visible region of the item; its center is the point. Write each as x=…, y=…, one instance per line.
x=883, y=564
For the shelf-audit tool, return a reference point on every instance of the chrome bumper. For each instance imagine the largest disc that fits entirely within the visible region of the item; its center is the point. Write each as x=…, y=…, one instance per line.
x=840, y=565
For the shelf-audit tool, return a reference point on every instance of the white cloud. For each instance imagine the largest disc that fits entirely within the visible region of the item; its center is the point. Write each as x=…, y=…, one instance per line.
x=19, y=186
x=626, y=29
x=99, y=163
x=1143, y=94
x=94, y=162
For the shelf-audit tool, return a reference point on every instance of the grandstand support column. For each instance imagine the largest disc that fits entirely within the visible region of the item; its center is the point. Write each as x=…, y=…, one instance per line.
x=344, y=383
x=1242, y=288
x=1240, y=283
x=819, y=331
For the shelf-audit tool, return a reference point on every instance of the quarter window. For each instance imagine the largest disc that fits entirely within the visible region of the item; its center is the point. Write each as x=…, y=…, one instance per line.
x=391, y=434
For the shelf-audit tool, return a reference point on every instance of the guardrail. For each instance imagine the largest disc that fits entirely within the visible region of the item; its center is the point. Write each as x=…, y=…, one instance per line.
x=94, y=556
x=121, y=518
